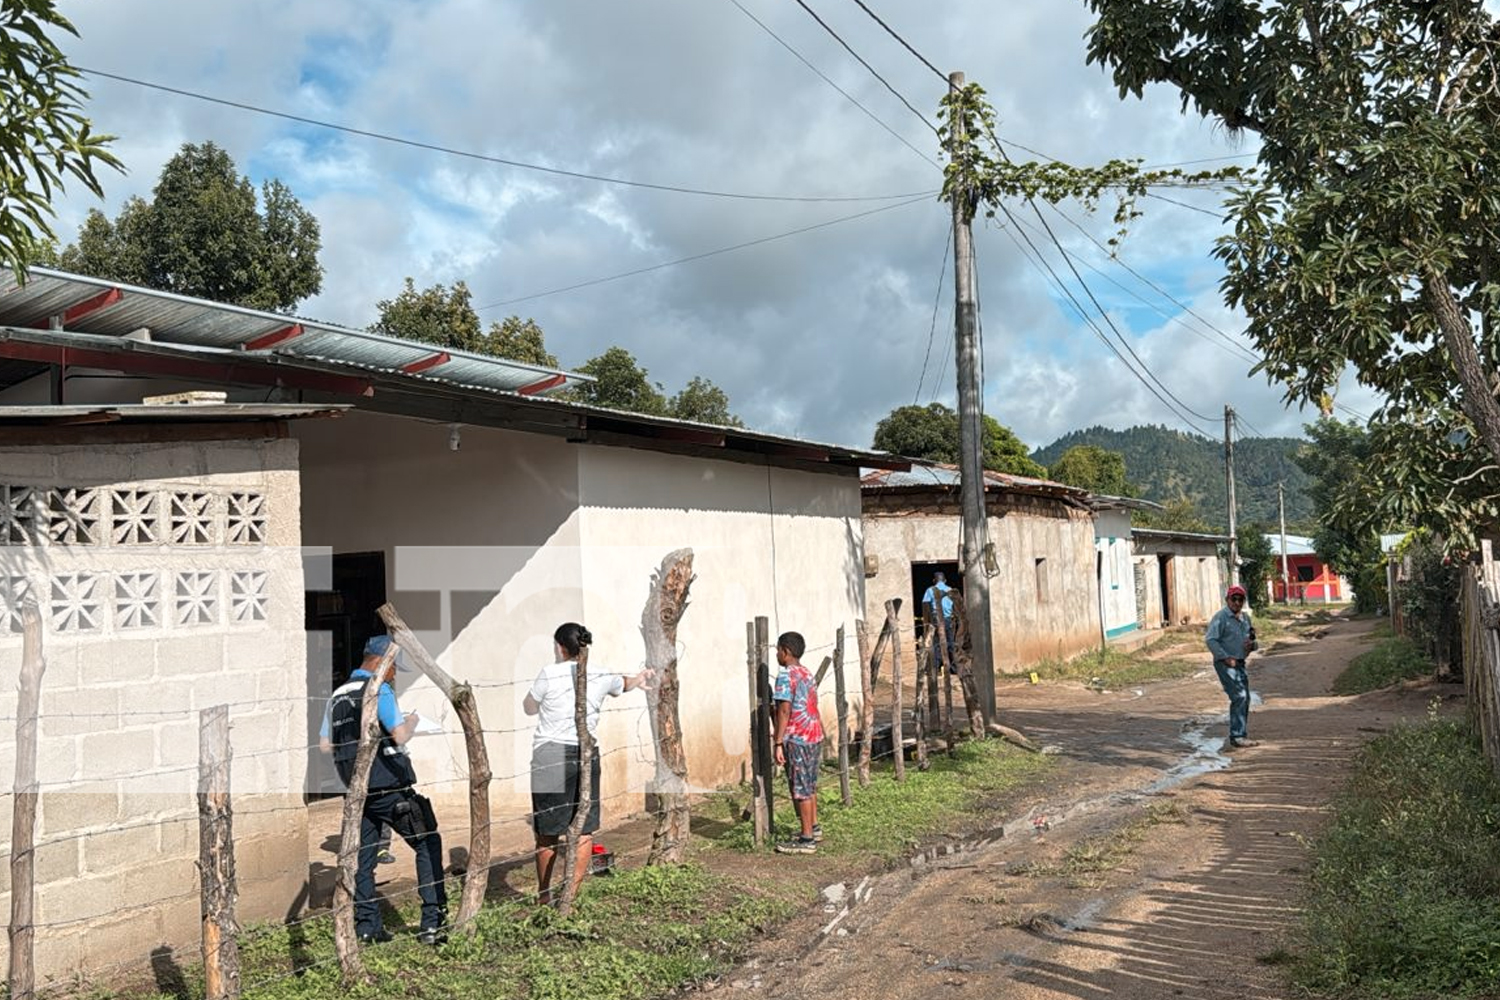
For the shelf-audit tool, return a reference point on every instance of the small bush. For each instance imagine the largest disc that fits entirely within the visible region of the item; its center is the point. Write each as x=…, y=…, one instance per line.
x=1391, y=661
x=1401, y=900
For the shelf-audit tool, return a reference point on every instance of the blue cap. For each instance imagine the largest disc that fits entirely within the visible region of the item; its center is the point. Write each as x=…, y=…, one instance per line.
x=377, y=645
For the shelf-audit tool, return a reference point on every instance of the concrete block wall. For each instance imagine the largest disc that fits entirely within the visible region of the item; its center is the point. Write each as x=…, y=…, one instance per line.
x=168, y=577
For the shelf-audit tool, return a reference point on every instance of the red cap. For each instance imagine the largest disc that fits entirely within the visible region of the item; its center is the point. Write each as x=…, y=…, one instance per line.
x=1236, y=589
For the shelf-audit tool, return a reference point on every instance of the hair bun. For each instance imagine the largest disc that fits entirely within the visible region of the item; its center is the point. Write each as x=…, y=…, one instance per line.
x=585, y=637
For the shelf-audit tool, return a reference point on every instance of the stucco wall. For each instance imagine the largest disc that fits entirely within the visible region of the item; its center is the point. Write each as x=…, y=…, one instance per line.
x=1118, y=599
x=169, y=581
x=1044, y=600
x=514, y=533
x=1197, y=576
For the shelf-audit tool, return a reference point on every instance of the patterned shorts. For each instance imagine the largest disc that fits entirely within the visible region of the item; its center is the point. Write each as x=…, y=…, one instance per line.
x=802, y=763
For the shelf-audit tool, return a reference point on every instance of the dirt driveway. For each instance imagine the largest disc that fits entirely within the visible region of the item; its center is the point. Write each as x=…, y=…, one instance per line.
x=1154, y=867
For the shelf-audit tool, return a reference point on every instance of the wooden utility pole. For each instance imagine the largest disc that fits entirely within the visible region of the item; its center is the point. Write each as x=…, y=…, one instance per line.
x=1234, y=545
x=1286, y=587
x=970, y=429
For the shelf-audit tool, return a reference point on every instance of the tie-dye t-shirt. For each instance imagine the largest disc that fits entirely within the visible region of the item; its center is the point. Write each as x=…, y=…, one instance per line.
x=795, y=684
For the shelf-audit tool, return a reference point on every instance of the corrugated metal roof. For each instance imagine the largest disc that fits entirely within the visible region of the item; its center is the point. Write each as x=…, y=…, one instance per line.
x=1190, y=536
x=928, y=475
x=108, y=308
x=163, y=413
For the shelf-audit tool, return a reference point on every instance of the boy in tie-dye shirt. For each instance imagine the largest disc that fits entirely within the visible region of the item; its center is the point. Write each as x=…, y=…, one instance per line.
x=799, y=739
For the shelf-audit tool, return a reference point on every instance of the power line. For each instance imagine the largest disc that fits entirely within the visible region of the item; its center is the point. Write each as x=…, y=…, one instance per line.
x=826, y=79
x=483, y=157
x=936, y=303
x=700, y=256
x=1183, y=204
x=825, y=26
x=904, y=43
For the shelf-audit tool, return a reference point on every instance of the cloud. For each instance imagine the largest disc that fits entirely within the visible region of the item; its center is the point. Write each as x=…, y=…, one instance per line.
x=819, y=334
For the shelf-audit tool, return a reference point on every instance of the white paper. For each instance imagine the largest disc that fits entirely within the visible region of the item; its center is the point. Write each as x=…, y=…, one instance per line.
x=426, y=726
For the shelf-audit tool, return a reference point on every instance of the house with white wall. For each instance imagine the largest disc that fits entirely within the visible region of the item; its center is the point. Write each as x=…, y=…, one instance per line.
x=234, y=552
x=1122, y=590
x=1181, y=575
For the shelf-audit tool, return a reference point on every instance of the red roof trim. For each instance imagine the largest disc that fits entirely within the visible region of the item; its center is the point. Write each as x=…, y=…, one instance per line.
x=273, y=338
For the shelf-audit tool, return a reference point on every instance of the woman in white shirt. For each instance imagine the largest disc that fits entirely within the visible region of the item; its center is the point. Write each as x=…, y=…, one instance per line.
x=554, y=751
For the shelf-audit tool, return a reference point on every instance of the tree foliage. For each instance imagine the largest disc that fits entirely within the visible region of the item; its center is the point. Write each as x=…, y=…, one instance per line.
x=1369, y=235
x=206, y=234
x=620, y=383
x=44, y=136
x=444, y=316
x=1092, y=468
x=931, y=432
x=703, y=402
x=1257, y=561
x=1177, y=514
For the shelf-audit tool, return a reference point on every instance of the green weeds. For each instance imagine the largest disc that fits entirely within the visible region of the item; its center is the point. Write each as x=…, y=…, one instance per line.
x=1402, y=897
x=1390, y=661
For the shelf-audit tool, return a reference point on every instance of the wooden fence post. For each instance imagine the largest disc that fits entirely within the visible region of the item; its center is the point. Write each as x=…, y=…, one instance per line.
x=966, y=683
x=866, y=701
x=22, y=977
x=221, y=950
x=759, y=827
x=945, y=666
x=919, y=708
x=841, y=705
x=461, y=697
x=345, y=943
x=585, y=782
x=664, y=608
x=898, y=739
x=763, y=718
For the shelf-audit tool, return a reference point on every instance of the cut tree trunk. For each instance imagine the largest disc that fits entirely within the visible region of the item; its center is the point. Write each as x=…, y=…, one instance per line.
x=345, y=943
x=664, y=609
x=585, y=782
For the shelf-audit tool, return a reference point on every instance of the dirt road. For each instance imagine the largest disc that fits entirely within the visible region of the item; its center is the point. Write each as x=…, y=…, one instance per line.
x=1155, y=867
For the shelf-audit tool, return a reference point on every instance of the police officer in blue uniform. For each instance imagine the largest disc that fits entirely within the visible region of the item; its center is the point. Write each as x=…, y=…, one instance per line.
x=391, y=800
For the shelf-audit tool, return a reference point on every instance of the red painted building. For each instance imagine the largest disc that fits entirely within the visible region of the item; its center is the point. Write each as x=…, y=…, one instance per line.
x=1308, y=577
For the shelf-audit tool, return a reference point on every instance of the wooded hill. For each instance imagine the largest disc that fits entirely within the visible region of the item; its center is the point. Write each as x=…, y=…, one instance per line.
x=1164, y=464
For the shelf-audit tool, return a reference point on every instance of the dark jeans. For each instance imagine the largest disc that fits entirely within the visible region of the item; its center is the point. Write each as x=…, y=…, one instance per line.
x=1236, y=684
x=950, y=632
x=410, y=815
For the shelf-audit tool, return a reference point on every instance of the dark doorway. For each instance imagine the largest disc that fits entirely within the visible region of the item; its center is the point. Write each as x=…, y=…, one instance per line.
x=1168, y=589
x=922, y=575
x=338, y=621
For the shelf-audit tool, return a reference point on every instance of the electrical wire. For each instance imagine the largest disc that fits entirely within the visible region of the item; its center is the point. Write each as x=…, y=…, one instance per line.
x=847, y=48
x=927, y=196
x=904, y=43
x=828, y=80
x=1182, y=204
x=936, y=303
x=483, y=157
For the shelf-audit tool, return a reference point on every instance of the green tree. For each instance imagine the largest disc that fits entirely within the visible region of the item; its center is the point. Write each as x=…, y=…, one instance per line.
x=1257, y=561
x=206, y=234
x=621, y=384
x=931, y=432
x=444, y=316
x=1369, y=234
x=44, y=136
x=1179, y=514
x=1094, y=469
x=1346, y=492
x=704, y=402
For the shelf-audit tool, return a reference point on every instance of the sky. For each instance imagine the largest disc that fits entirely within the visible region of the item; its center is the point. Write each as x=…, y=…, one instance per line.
x=817, y=334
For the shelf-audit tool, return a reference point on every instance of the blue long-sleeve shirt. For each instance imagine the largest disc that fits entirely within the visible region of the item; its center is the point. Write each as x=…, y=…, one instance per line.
x=1227, y=634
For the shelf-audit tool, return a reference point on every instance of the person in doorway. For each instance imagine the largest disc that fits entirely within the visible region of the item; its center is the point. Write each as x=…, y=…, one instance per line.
x=554, y=752
x=798, y=740
x=391, y=800
x=1231, y=638
x=939, y=597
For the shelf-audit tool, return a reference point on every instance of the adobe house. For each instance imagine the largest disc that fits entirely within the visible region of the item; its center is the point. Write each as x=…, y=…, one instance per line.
x=1181, y=575
x=1044, y=595
x=233, y=552
x=1122, y=591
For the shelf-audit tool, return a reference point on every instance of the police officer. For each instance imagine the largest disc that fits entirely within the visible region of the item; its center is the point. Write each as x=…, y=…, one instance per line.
x=391, y=800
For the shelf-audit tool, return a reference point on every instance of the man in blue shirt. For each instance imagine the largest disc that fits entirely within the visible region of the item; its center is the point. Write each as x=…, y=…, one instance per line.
x=1231, y=638
x=939, y=597
x=390, y=800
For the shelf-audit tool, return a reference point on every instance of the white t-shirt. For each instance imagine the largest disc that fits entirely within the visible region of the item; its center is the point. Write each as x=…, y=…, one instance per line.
x=553, y=691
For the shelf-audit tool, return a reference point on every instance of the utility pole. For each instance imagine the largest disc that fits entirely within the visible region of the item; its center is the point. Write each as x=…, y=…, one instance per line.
x=970, y=400
x=1286, y=589
x=1234, y=544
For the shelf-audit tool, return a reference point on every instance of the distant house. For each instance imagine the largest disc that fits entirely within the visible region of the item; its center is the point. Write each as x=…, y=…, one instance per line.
x=1308, y=577
x=1122, y=591
x=1180, y=575
x=1044, y=596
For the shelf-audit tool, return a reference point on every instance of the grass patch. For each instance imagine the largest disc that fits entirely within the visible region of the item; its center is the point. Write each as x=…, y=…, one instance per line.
x=1172, y=656
x=637, y=934
x=887, y=819
x=1085, y=864
x=1389, y=662
x=1402, y=897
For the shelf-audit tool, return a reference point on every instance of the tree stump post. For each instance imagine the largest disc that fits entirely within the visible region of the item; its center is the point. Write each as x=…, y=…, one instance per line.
x=569, y=892
x=898, y=738
x=919, y=716
x=345, y=942
x=763, y=718
x=946, y=666
x=659, y=620
x=22, y=974
x=866, y=701
x=461, y=697
x=966, y=683
x=759, y=827
x=218, y=890
x=841, y=705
